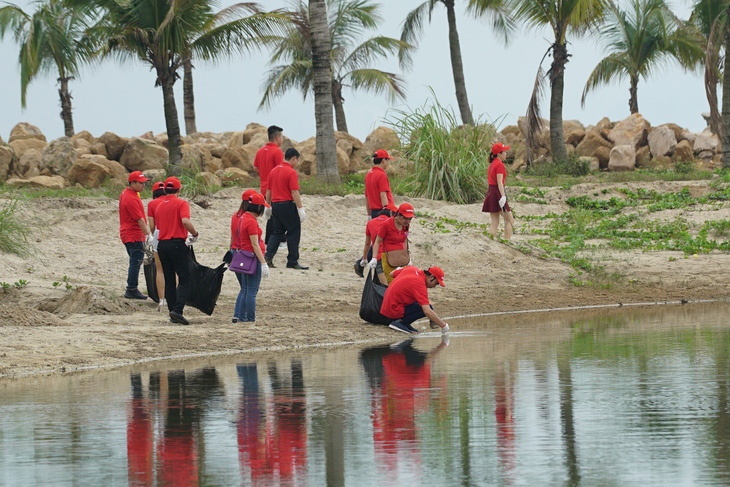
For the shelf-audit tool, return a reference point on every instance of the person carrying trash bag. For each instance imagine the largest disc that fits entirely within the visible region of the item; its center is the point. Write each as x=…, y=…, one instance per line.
x=406, y=299
x=393, y=238
x=133, y=230
x=246, y=237
x=172, y=217
x=371, y=234
x=377, y=186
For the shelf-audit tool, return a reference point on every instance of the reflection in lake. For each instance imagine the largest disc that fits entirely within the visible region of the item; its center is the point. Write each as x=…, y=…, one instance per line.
x=619, y=398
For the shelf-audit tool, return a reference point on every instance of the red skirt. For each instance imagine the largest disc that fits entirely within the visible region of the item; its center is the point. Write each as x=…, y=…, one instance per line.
x=491, y=202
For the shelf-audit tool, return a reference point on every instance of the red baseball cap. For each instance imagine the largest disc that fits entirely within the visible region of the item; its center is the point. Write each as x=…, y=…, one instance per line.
x=392, y=208
x=406, y=209
x=137, y=176
x=382, y=154
x=499, y=147
x=172, y=183
x=258, y=199
x=247, y=194
x=438, y=274
x=158, y=185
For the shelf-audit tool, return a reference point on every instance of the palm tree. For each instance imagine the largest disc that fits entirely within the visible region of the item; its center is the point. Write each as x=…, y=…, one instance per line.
x=564, y=17
x=640, y=39
x=350, y=62
x=708, y=16
x=413, y=27
x=51, y=39
x=725, y=137
x=322, y=84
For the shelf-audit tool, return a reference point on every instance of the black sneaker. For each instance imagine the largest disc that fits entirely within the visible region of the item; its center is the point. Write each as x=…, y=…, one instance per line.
x=134, y=294
x=398, y=325
x=358, y=269
x=270, y=263
x=178, y=318
x=297, y=266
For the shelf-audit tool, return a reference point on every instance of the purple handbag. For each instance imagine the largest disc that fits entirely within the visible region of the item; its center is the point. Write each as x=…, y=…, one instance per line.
x=244, y=262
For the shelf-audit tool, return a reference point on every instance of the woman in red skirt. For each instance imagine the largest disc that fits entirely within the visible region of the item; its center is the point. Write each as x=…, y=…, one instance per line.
x=496, y=201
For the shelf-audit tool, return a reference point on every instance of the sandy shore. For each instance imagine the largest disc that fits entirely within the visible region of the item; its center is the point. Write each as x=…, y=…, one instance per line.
x=46, y=328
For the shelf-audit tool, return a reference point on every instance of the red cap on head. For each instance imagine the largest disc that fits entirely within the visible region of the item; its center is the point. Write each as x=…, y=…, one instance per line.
x=438, y=274
x=258, y=199
x=137, y=176
x=246, y=196
x=392, y=208
x=172, y=183
x=382, y=154
x=499, y=147
x=158, y=185
x=406, y=209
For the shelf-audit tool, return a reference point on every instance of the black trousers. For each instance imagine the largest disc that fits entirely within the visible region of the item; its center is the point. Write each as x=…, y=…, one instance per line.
x=286, y=227
x=175, y=260
x=270, y=231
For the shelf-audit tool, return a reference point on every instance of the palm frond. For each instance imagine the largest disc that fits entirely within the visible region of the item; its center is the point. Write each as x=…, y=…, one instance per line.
x=281, y=79
x=412, y=29
x=612, y=67
x=534, y=120
x=498, y=12
x=372, y=49
x=377, y=82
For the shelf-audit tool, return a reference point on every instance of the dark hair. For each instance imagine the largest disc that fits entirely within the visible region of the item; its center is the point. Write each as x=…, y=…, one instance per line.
x=377, y=160
x=243, y=208
x=258, y=209
x=492, y=157
x=169, y=190
x=273, y=131
x=157, y=193
x=291, y=152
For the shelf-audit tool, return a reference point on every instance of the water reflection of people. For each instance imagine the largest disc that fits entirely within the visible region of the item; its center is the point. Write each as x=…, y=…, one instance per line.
x=503, y=414
x=400, y=376
x=140, y=437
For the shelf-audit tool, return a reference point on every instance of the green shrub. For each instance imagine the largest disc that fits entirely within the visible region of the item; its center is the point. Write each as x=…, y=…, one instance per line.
x=13, y=233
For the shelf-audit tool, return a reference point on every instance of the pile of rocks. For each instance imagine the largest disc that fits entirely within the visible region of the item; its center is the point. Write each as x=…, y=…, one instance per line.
x=620, y=146
x=29, y=160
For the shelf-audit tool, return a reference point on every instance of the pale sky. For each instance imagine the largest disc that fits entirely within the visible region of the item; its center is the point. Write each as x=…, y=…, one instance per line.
x=123, y=99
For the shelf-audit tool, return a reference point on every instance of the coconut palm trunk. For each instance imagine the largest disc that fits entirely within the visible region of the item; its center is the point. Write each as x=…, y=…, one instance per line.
x=338, y=101
x=726, y=101
x=322, y=83
x=171, y=120
x=189, y=98
x=634, y=95
x=66, y=116
x=457, y=65
x=557, y=83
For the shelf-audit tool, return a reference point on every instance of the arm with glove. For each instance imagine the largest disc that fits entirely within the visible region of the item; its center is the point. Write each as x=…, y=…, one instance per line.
x=193, y=233
x=376, y=247
x=259, y=255
x=298, y=201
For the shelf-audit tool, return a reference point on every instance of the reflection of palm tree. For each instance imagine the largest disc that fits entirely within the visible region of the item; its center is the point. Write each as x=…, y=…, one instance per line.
x=566, y=417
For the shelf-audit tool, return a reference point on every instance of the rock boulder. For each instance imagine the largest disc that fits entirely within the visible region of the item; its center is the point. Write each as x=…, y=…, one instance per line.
x=47, y=182
x=233, y=175
x=59, y=156
x=21, y=145
x=706, y=142
x=29, y=165
x=381, y=138
x=142, y=155
x=662, y=141
x=590, y=143
x=238, y=157
x=114, y=145
x=622, y=158
x=24, y=131
x=84, y=135
x=117, y=172
x=683, y=151
x=6, y=158
x=88, y=173
x=630, y=131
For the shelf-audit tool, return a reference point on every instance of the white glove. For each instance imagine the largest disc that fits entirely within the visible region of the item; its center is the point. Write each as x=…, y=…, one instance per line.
x=149, y=240
x=191, y=240
x=373, y=263
x=502, y=201
x=267, y=213
x=302, y=215
x=265, y=270
x=368, y=218
x=445, y=329
x=363, y=263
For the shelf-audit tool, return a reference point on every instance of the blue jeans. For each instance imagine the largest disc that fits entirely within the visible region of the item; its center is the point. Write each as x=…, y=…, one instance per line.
x=246, y=302
x=136, y=256
x=413, y=312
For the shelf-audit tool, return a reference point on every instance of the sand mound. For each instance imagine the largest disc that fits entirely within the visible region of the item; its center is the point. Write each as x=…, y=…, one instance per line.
x=86, y=301
x=19, y=315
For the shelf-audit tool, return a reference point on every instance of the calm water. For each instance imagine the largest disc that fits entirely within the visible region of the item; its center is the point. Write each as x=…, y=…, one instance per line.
x=632, y=397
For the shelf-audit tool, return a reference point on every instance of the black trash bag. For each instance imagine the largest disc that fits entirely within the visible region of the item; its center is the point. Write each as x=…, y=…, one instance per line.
x=205, y=285
x=150, y=277
x=372, y=300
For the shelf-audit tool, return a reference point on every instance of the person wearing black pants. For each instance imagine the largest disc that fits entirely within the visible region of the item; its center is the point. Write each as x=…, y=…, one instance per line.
x=287, y=226
x=175, y=260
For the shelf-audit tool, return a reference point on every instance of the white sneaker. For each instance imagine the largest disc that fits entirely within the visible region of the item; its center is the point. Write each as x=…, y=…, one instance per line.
x=445, y=329
x=162, y=305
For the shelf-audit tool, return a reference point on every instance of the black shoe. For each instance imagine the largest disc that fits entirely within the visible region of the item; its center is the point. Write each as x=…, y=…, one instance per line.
x=270, y=263
x=297, y=266
x=358, y=269
x=178, y=318
x=398, y=325
x=134, y=294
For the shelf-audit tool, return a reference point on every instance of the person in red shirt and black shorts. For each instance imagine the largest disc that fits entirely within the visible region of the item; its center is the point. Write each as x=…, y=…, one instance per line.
x=267, y=158
x=377, y=185
x=495, y=202
x=133, y=230
x=287, y=212
x=406, y=299
x=172, y=217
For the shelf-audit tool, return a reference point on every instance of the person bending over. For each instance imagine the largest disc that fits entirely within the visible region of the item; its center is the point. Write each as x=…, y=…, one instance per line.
x=406, y=299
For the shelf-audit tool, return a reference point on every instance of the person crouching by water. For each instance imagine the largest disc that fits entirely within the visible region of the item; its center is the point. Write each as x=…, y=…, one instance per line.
x=371, y=235
x=172, y=217
x=158, y=191
x=133, y=230
x=406, y=299
x=393, y=237
x=246, y=235
x=496, y=201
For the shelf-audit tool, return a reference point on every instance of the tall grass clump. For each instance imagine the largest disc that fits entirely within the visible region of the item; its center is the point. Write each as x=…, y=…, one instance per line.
x=14, y=235
x=447, y=161
x=193, y=184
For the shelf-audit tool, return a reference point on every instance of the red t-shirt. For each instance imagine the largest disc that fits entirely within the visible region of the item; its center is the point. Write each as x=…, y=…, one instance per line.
x=131, y=209
x=408, y=287
x=168, y=217
x=242, y=227
x=152, y=205
x=376, y=181
x=496, y=167
x=371, y=230
x=283, y=179
x=267, y=158
x=393, y=239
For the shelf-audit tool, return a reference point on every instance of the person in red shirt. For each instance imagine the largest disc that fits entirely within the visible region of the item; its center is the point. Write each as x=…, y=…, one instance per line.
x=287, y=211
x=133, y=230
x=246, y=235
x=406, y=299
x=392, y=237
x=158, y=191
x=371, y=234
x=267, y=158
x=377, y=185
x=495, y=202
x=172, y=217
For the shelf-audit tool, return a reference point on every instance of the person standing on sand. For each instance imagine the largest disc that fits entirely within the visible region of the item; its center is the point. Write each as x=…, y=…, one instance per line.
x=406, y=299
x=158, y=191
x=377, y=185
x=172, y=217
x=495, y=202
x=246, y=235
x=371, y=235
x=287, y=212
x=133, y=230
x=267, y=158
x=393, y=237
